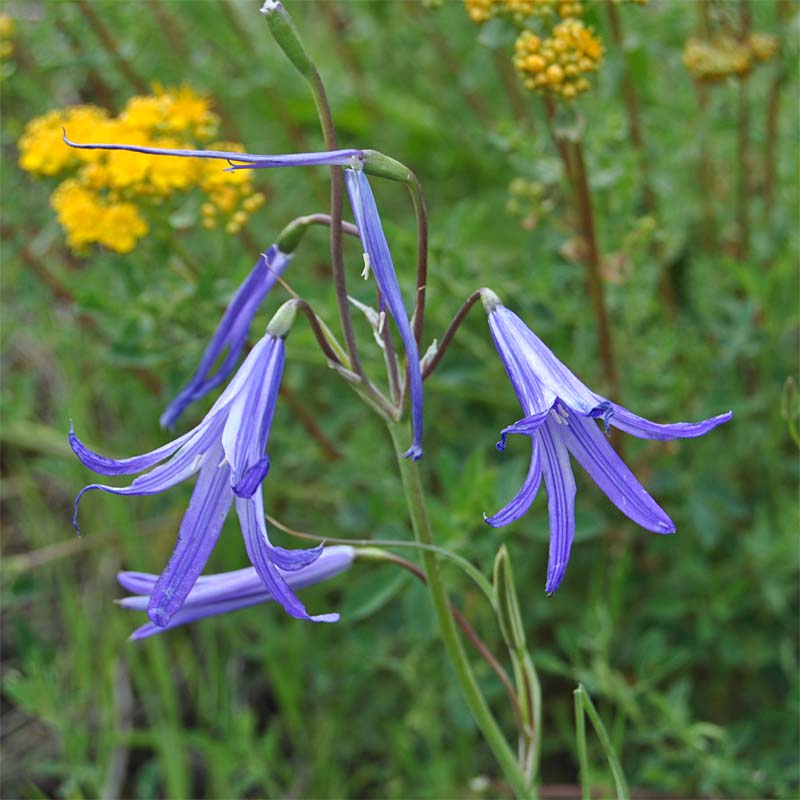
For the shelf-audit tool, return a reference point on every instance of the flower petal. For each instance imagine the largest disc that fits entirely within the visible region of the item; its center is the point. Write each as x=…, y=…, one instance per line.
x=244, y=437
x=542, y=366
x=594, y=453
x=328, y=157
x=231, y=332
x=645, y=429
x=198, y=534
x=252, y=478
x=524, y=498
x=182, y=465
x=374, y=241
x=124, y=466
x=527, y=425
x=260, y=552
x=560, y=484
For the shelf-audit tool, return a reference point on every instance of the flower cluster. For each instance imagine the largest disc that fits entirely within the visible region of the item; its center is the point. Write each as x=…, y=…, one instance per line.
x=528, y=200
x=726, y=56
x=480, y=11
x=559, y=63
x=105, y=196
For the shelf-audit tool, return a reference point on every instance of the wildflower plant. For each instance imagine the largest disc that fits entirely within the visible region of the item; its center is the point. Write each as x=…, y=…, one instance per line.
x=227, y=449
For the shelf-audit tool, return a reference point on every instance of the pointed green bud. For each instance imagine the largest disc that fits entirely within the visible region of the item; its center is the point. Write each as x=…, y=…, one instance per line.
x=507, y=604
x=378, y=164
x=282, y=322
x=288, y=39
x=490, y=300
x=292, y=235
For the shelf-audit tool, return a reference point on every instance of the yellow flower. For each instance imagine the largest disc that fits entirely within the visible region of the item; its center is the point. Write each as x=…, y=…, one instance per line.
x=172, y=173
x=122, y=227
x=41, y=147
x=559, y=63
x=480, y=10
x=714, y=60
x=143, y=113
x=763, y=46
x=187, y=111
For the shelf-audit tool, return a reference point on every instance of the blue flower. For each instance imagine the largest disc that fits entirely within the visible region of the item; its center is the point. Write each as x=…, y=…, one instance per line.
x=228, y=452
x=228, y=591
x=231, y=333
x=379, y=259
x=560, y=420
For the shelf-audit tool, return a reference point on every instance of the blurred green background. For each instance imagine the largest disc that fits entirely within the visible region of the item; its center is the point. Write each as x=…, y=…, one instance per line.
x=688, y=644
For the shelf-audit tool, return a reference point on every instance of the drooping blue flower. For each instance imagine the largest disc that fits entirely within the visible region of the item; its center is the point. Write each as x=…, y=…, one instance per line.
x=228, y=452
x=560, y=418
x=231, y=333
x=379, y=259
x=228, y=591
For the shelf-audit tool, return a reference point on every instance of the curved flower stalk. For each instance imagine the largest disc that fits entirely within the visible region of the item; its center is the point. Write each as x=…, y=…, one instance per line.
x=560, y=419
x=231, y=333
x=379, y=259
x=228, y=591
x=228, y=452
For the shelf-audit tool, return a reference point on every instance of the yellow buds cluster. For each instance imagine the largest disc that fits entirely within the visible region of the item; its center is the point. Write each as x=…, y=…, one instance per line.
x=559, y=63
x=480, y=11
x=725, y=56
x=6, y=34
x=106, y=192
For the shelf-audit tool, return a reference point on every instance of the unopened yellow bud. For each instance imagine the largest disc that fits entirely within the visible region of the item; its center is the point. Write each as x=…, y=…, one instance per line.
x=555, y=74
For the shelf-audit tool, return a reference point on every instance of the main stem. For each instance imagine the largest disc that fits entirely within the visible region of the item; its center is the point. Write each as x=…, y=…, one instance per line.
x=415, y=499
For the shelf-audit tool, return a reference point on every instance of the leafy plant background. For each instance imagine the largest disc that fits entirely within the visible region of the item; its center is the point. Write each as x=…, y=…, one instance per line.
x=687, y=643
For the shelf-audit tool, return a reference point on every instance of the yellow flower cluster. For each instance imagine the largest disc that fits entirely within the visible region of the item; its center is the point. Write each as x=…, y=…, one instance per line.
x=480, y=11
x=107, y=190
x=559, y=63
x=527, y=200
x=6, y=34
x=725, y=56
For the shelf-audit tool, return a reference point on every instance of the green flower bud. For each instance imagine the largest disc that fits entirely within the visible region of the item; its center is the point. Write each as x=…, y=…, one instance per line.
x=507, y=605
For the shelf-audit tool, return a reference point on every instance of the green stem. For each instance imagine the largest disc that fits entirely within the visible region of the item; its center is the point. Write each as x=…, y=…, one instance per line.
x=415, y=498
x=580, y=743
x=605, y=740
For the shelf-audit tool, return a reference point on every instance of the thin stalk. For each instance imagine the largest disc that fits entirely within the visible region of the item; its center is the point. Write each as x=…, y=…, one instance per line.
x=415, y=498
x=468, y=631
x=743, y=146
x=337, y=258
x=110, y=45
x=605, y=740
x=705, y=167
x=390, y=359
x=511, y=83
x=594, y=278
x=773, y=116
x=451, y=332
x=580, y=744
x=421, y=216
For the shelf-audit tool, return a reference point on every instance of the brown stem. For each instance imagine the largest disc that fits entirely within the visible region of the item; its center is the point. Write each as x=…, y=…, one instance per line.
x=773, y=116
x=743, y=146
x=167, y=25
x=594, y=276
x=319, y=334
x=110, y=45
x=516, y=98
x=451, y=332
x=561, y=145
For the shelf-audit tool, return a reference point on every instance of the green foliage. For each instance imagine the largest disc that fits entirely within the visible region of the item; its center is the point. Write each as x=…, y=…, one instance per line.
x=686, y=644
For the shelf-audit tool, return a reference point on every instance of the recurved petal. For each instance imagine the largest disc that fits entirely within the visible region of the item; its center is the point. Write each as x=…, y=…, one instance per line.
x=594, y=453
x=524, y=498
x=199, y=531
x=560, y=484
x=328, y=157
x=124, y=466
x=259, y=550
x=646, y=429
x=527, y=425
x=180, y=467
